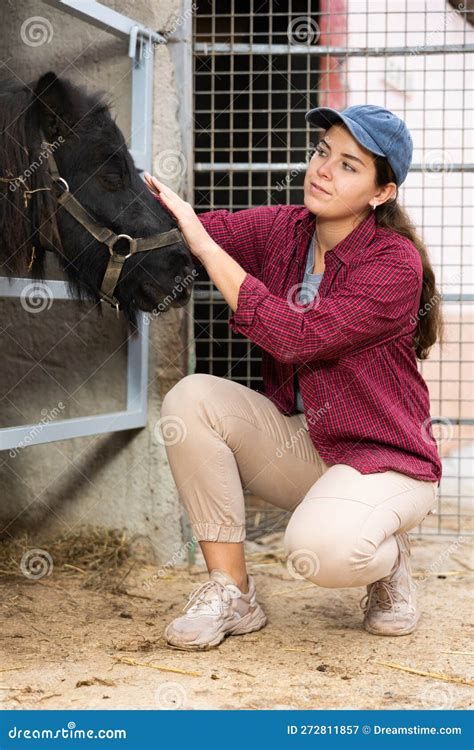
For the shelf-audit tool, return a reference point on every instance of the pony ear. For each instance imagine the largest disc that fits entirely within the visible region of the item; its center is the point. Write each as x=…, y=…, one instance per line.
x=55, y=105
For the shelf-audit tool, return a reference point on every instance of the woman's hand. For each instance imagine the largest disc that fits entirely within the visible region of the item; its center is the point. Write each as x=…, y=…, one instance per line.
x=224, y=271
x=200, y=242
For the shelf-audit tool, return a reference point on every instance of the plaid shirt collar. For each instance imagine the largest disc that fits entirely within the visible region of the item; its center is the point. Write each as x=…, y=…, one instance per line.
x=357, y=240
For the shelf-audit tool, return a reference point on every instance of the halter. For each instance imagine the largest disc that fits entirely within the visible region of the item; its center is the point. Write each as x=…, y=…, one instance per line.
x=103, y=234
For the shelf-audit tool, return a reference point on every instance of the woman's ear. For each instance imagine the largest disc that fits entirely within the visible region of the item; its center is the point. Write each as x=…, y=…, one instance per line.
x=387, y=193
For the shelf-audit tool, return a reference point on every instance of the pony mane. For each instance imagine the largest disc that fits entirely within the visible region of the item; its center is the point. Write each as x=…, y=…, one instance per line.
x=22, y=165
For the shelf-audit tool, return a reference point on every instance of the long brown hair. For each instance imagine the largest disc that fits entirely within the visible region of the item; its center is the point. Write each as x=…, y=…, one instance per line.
x=393, y=216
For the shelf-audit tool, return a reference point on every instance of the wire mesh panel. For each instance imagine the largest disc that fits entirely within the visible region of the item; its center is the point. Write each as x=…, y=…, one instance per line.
x=258, y=67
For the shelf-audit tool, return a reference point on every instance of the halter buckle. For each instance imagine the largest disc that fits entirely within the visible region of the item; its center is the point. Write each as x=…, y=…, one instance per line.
x=61, y=184
x=131, y=245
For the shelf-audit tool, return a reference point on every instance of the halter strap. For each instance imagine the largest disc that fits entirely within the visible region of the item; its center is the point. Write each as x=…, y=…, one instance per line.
x=107, y=236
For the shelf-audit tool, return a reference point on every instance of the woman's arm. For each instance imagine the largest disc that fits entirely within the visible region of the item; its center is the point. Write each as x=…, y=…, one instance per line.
x=242, y=234
x=378, y=302
x=371, y=308
x=224, y=271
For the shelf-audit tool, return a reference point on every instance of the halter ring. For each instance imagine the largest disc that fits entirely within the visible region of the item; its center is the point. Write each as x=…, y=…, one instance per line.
x=122, y=237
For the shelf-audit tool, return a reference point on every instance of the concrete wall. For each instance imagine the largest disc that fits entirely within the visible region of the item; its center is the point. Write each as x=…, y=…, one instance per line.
x=69, y=354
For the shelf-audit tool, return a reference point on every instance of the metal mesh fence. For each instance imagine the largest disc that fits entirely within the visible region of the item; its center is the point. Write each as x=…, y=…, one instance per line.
x=258, y=67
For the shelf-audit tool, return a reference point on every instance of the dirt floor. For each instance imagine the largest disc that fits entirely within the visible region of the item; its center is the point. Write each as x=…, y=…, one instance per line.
x=63, y=646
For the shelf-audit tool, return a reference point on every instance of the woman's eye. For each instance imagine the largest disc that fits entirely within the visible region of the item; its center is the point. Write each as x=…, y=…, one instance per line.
x=320, y=152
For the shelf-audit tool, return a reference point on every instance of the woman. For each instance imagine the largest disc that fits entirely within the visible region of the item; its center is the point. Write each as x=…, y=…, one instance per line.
x=352, y=453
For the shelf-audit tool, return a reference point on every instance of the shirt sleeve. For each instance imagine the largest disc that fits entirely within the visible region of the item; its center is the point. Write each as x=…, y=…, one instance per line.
x=371, y=308
x=243, y=234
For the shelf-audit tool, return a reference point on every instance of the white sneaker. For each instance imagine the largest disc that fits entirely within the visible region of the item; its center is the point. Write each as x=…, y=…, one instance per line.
x=215, y=609
x=390, y=605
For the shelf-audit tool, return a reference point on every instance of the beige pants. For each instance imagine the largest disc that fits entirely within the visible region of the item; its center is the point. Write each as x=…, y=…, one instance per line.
x=222, y=437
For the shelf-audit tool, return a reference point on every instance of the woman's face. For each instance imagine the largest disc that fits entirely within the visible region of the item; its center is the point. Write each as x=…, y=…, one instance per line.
x=346, y=171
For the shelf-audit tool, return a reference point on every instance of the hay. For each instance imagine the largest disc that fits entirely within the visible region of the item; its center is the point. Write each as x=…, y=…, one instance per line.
x=176, y=670
x=433, y=675
x=94, y=555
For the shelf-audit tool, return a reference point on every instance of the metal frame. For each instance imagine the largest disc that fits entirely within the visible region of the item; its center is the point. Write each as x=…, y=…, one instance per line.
x=141, y=41
x=299, y=49
x=135, y=415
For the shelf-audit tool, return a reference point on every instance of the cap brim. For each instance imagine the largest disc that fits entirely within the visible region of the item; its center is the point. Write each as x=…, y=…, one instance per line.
x=323, y=117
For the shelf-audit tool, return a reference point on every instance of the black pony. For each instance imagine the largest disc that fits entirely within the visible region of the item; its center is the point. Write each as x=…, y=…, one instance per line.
x=92, y=156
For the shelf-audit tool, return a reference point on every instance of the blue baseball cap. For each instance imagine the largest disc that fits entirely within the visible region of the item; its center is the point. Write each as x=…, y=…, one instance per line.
x=375, y=128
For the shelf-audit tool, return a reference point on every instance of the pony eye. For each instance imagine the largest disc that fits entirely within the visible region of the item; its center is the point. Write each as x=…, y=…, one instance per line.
x=112, y=179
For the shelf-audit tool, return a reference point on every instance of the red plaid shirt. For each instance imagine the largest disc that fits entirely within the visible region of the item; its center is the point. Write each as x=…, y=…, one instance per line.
x=366, y=403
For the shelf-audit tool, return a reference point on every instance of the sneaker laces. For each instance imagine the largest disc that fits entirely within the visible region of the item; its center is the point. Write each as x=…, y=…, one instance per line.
x=200, y=599
x=383, y=594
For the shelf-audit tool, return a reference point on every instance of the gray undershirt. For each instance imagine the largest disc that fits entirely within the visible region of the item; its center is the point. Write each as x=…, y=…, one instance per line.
x=311, y=282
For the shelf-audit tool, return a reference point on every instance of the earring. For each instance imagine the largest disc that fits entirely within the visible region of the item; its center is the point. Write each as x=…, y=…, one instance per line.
x=374, y=205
